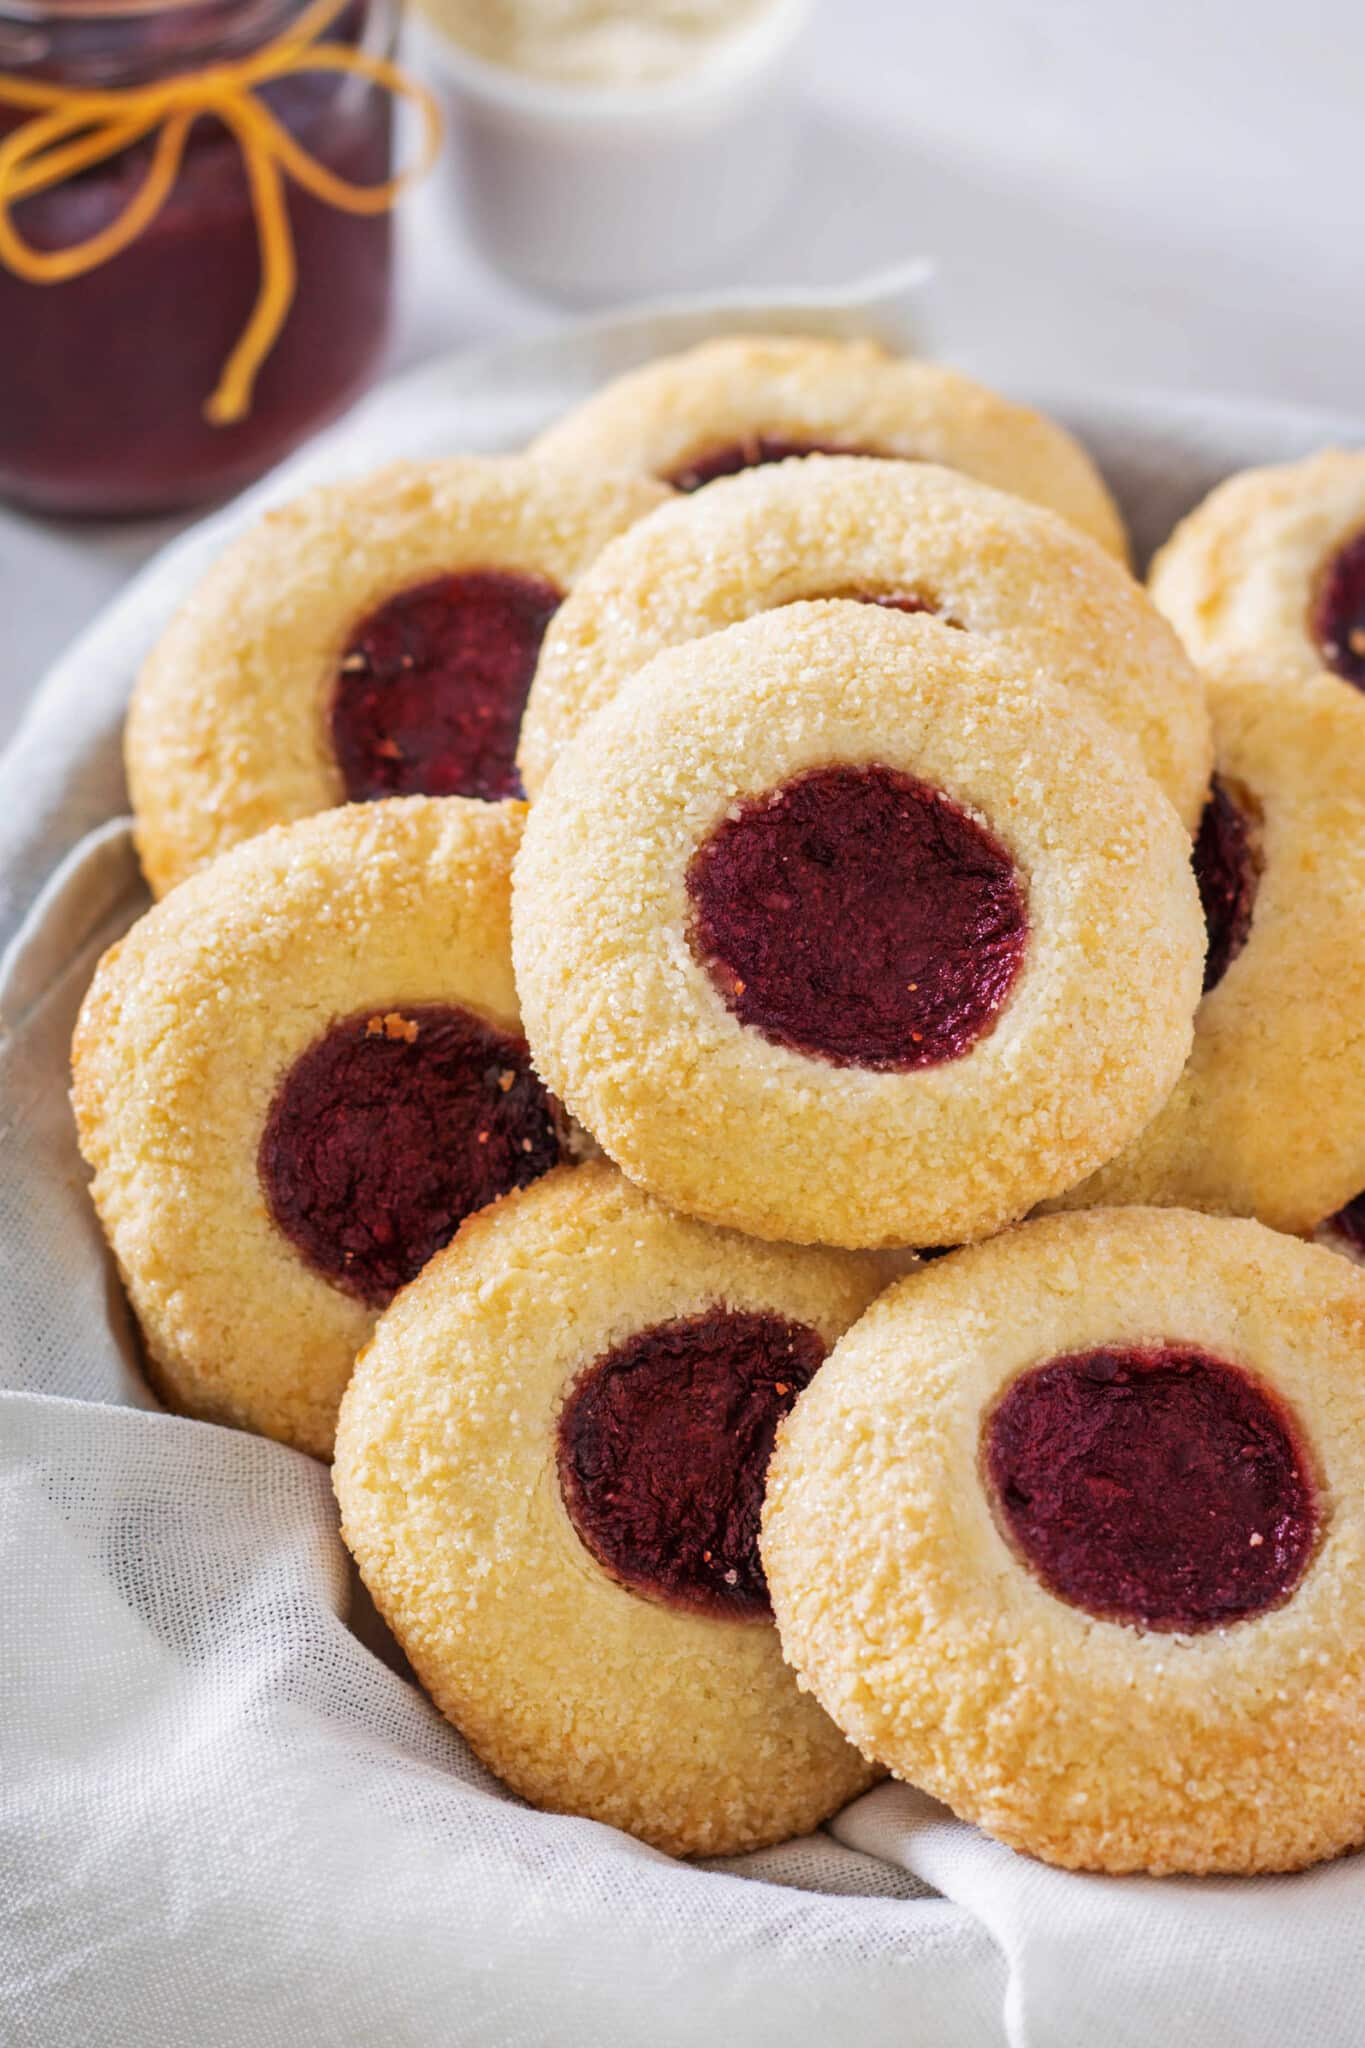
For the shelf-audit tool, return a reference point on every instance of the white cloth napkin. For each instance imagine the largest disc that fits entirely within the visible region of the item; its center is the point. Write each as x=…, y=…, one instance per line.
x=225, y=1820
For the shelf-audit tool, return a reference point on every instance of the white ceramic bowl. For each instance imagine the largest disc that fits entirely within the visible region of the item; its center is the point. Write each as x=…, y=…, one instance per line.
x=595, y=193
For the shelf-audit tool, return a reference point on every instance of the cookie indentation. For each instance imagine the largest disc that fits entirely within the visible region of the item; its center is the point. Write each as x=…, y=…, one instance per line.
x=753, y=452
x=391, y=1128
x=1337, y=619
x=664, y=1446
x=1227, y=869
x=433, y=684
x=1158, y=1487
x=861, y=917
x=890, y=601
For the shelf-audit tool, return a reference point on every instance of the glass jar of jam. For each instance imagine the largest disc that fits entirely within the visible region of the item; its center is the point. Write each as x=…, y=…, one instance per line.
x=105, y=377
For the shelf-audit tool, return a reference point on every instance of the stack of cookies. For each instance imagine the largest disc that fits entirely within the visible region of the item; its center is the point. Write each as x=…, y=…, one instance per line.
x=799, y=1239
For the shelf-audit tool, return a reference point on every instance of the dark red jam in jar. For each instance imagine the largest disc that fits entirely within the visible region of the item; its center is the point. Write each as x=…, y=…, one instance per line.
x=105, y=376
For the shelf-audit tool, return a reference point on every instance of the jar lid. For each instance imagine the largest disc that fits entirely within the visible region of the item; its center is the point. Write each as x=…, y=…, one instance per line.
x=34, y=13
x=103, y=42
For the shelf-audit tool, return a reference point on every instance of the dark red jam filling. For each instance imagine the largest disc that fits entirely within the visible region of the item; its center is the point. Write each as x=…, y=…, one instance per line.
x=432, y=687
x=751, y=453
x=664, y=1447
x=1157, y=1487
x=1227, y=870
x=1337, y=621
x=860, y=917
x=1349, y=1224
x=390, y=1129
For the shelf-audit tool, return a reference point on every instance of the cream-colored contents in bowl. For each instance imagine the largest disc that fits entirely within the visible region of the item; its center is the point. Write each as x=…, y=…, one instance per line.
x=595, y=42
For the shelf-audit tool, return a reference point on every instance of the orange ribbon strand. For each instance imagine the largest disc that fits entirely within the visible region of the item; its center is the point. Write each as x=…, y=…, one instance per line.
x=72, y=129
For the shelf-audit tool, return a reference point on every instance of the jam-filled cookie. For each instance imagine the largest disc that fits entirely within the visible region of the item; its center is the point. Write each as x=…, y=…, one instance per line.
x=550, y=1466
x=745, y=400
x=293, y=1079
x=1268, y=1118
x=906, y=535
x=371, y=639
x=1070, y=1531
x=1271, y=567
x=833, y=927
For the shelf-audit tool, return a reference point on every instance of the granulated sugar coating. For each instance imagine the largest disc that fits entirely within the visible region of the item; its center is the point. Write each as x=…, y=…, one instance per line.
x=719, y=925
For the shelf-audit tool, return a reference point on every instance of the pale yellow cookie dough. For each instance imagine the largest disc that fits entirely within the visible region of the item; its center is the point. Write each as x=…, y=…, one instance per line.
x=850, y=396
x=1239, y=577
x=227, y=731
x=835, y=526
x=628, y=1026
x=192, y=1022
x=586, y=1698
x=1268, y=1118
x=902, y=1606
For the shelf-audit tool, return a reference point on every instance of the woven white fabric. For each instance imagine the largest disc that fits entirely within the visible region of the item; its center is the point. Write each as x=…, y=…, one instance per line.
x=225, y=1820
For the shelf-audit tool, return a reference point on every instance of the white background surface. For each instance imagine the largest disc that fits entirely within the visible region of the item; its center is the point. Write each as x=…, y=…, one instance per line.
x=1141, y=192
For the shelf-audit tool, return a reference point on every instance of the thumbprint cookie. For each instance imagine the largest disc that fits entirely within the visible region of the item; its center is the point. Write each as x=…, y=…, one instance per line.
x=550, y=1466
x=1070, y=1532
x=1272, y=567
x=744, y=400
x=294, y=1078
x=909, y=536
x=834, y=927
x=1268, y=1118
x=371, y=639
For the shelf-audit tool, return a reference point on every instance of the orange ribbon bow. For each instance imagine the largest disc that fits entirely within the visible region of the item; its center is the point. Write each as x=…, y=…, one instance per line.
x=73, y=128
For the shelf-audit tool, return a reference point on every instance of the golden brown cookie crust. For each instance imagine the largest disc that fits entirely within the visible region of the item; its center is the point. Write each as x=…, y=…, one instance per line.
x=1085, y=1742
x=834, y=526
x=585, y=1698
x=227, y=731
x=190, y=1025
x=1238, y=577
x=1268, y=1118
x=846, y=394
x=629, y=1030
